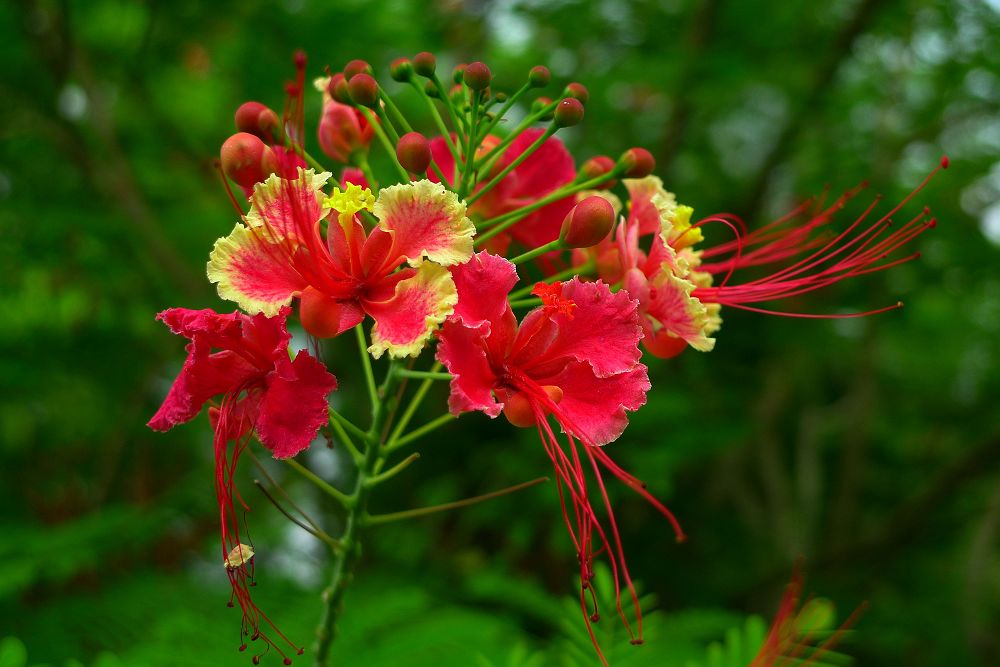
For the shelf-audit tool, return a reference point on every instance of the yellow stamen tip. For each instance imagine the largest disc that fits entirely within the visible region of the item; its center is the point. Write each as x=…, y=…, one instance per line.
x=348, y=202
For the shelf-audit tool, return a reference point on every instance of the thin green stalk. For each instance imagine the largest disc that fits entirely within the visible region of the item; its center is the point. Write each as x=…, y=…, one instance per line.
x=366, y=364
x=346, y=439
x=387, y=125
x=316, y=532
x=389, y=147
x=393, y=445
x=467, y=181
x=503, y=111
x=414, y=404
x=341, y=420
x=341, y=497
x=423, y=375
x=525, y=303
x=377, y=519
x=549, y=131
x=394, y=110
x=360, y=161
x=436, y=115
x=536, y=252
x=502, y=222
x=345, y=560
x=529, y=120
x=375, y=480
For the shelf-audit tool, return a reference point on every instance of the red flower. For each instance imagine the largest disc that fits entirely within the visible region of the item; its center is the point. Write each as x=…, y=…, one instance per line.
x=576, y=358
x=282, y=399
x=280, y=253
x=549, y=168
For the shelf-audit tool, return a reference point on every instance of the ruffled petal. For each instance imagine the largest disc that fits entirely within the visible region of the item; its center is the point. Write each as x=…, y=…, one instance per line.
x=655, y=210
x=203, y=376
x=288, y=208
x=672, y=307
x=602, y=329
x=483, y=284
x=593, y=407
x=293, y=405
x=404, y=322
x=462, y=351
x=426, y=221
x=253, y=272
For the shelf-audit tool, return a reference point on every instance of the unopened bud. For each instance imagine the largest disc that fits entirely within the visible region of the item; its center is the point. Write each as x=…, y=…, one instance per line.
x=598, y=166
x=246, y=159
x=588, y=223
x=401, y=70
x=343, y=131
x=300, y=59
x=664, y=344
x=637, y=162
x=577, y=91
x=477, y=76
x=357, y=67
x=431, y=89
x=569, y=112
x=338, y=88
x=518, y=409
x=458, y=72
x=258, y=119
x=425, y=64
x=500, y=97
x=539, y=76
x=363, y=89
x=539, y=104
x=414, y=152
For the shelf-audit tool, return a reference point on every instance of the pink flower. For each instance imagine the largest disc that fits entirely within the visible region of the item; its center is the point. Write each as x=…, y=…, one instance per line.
x=547, y=169
x=280, y=253
x=282, y=399
x=343, y=130
x=576, y=358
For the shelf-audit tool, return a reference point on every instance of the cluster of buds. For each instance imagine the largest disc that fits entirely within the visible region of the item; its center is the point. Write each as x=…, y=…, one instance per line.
x=431, y=252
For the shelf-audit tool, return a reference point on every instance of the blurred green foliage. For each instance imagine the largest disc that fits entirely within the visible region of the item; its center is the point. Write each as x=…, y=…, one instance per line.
x=869, y=447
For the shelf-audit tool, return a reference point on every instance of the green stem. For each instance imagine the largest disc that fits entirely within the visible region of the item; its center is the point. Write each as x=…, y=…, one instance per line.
x=344, y=438
x=436, y=115
x=509, y=139
x=467, y=182
x=394, y=110
x=423, y=375
x=540, y=250
x=366, y=363
x=502, y=222
x=393, y=445
x=389, y=147
x=342, y=421
x=375, y=480
x=503, y=111
x=387, y=125
x=310, y=160
x=414, y=404
x=360, y=161
x=345, y=560
x=525, y=303
x=549, y=131
x=376, y=519
x=341, y=497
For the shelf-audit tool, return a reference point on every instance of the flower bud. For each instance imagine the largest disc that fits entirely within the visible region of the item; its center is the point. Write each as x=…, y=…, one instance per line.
x=577, y=91
x=357, y=67
x=500, y=97
x=363, y=89
x=255, y=118
x=539, y=76
x=300, y=59
x=401, y=70
x=320, y=315
x=637, y=162
x=664, y=344
x=598, y=166
x=458, y=72
x=569, y=112
x=540, y=104
x=414, y=152
x=246, y=159
x=588, y=223
x=477, y=76
x=338, y=88
x=517, y=408
x=424, y=64
x=431, y=89
x=343, y=131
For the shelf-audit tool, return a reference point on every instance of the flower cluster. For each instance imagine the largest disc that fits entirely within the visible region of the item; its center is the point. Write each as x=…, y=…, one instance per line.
x=442, y=254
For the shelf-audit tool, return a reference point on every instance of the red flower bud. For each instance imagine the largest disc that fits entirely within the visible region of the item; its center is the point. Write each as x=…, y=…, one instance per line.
x=569, y=112
x=539, y=76
x=598, y=166
x=343, y=130
x=338, y=88
x=477, y=76
x=357, y=67
x=401, y=70
x=246, y=159
x=540, y=104
x=664, y=344
x=637, y=162
x=588, y=223
x=577, y=91
x=424, y=64
x=517, y=407
x=255, y=118
x=363, y=89
x=414, y=152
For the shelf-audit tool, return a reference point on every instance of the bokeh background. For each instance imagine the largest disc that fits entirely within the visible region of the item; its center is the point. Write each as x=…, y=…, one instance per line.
x=869, y=448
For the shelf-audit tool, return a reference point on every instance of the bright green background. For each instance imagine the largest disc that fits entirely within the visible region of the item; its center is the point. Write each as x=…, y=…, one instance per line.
x=868, y=447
